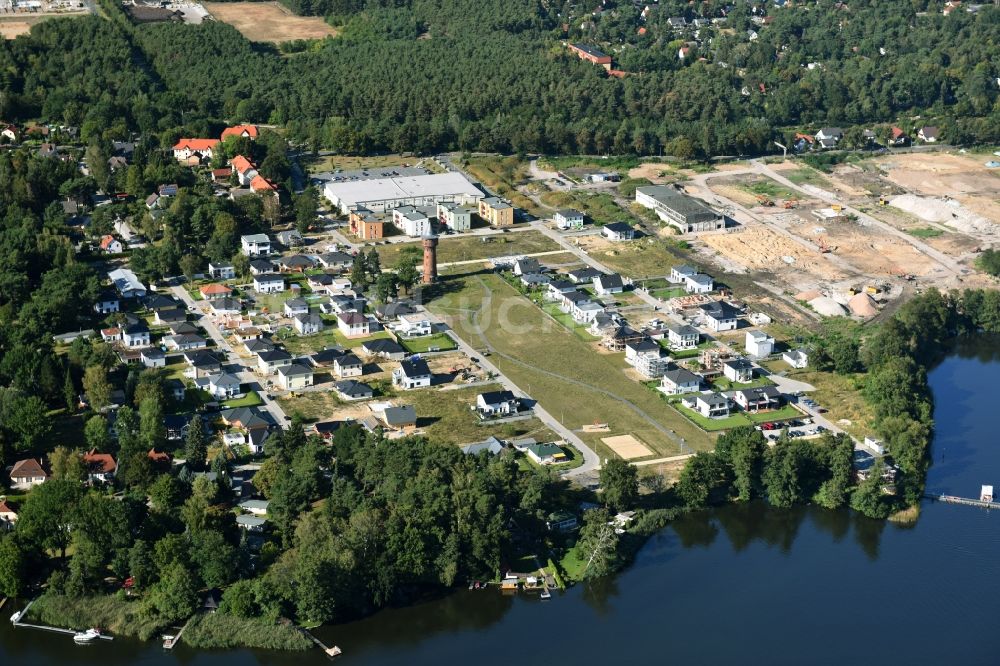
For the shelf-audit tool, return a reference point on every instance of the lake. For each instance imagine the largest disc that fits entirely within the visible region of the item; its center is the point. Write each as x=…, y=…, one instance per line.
x=745, y=584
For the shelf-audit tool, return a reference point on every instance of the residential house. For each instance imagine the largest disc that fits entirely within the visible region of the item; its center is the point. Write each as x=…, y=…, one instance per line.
x=270, y=361
x=215, y=290
x=221, y=175
x=829, y=137
x=110, y=245
x=307, y=324
x=296, y=306
x=605, y=285
x=268, y=283
x=797, y=358
x=412, y=373
x=384, y=348
x=10, y=133
x=249, y=523
x=759, y=344
x=127, y=284
x=296, y=263
x=107, y=303
x=336, y=260
x=709, y=405
x=616, y=338
x=414, y=220
x=928, y=134
x=454, y=216
x=174, y=389
x=699, y=283
x=572, y=298
x=348, y=365
x=153, y=357
x=325, y=357
x=720, y=315
x=111, y=335
x=202, y=149
x=261, y=185
x=526, y=265
x=639, y=348
x=295, y=376
x=201, y=364
x=8, y=515
x=497, y=403
x=101, y=467
x=161, y=302
x=584, y=312
x=255, y=507
x=679, y=274
x=618, y=231
x=255, y=245
x=27, y=473
x=350, y=389
x=682, y=336
x=353, y=324
x=244, y=169
x=290, y=238
x=490, y=445
x=738, y=370
x=262, y=266
x=559, y=288
x=222, y=386
x=225, y=306
x=177, y=426
x=591, y=54
x=259, y=345
x=543, y=454
x=584, y=275
x=496, y=212
x=169, y=316
x=679, y=380
x=388, y=311
x=135, y=336
x=756, y=399
x=561, y=521
x=413, y=325
x=898, y=137
x=568, y=219
x=246, y=131
x=402, y=418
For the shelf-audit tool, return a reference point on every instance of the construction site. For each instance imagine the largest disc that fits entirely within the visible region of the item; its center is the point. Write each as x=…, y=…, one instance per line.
x=856, y=240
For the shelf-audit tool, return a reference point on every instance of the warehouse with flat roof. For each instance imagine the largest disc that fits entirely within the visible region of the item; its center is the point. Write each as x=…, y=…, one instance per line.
x=678, y=209
x=382, y=194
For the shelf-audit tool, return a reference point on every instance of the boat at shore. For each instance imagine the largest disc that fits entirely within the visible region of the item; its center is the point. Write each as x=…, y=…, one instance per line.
x=88, y=636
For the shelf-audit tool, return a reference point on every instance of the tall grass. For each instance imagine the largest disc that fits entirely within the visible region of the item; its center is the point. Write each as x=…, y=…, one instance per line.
x=118, y=615
x=221, y=631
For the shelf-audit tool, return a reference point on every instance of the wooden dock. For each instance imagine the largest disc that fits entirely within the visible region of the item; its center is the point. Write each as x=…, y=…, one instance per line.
x=330, y=652
x=966, y=501
x=171, y=641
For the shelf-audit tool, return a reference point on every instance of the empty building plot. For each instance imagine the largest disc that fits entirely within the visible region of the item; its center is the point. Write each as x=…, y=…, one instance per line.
x=627, y=447
x=678, y=209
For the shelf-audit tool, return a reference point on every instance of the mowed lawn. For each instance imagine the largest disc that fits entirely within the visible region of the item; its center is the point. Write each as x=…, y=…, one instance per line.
x=470, y=248
x=514, y=326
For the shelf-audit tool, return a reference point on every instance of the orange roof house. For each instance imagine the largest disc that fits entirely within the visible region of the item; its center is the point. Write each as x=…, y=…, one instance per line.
x=249, y=131
x=100, y=466
x=241, y=164
x=214, y=290
x=107, y=241
x=186, y=148
x=260, y=184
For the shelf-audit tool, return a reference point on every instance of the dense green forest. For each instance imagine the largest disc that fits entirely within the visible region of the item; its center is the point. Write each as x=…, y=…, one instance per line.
x=494, y=76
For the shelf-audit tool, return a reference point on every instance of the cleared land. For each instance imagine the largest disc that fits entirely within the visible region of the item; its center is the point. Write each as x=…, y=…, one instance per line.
x=503, y=175
x=470, y=248
x=627, y=447
x=354, y=162
x=269, y=21
x=13, y=25
x=643, y=258
x=564, y=373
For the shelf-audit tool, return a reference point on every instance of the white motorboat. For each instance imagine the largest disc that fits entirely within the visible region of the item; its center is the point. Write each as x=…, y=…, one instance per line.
x=84, y=637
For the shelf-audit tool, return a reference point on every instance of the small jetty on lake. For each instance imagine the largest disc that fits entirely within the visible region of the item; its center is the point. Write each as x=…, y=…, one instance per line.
x=985, y=501
x=79, y=637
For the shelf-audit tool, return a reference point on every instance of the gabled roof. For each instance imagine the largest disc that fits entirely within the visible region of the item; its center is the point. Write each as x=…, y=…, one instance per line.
x=681, y=376
x=196, y=144
x=352, y=387
x=294, y=370
x=99, y=463
x=382, y=346
x=497, y=397
x=613, y=281
x=215, y=288
x=348, y=360
x=29, y=467
x=261, y=184
x=240, y=130
x=402, y=415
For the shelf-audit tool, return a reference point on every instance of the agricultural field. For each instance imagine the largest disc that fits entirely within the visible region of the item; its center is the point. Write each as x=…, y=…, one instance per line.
x=566, y=374
x=269, y=21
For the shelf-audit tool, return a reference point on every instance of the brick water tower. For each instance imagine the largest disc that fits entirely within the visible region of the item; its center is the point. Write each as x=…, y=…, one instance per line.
x=430, y=259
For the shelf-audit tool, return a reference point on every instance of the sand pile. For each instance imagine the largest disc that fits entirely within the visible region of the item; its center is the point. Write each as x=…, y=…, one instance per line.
x=827, y=307
x=946, y=211
x=862, y=305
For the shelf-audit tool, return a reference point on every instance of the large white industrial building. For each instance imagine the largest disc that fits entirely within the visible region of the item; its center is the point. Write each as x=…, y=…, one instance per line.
x=382, y=194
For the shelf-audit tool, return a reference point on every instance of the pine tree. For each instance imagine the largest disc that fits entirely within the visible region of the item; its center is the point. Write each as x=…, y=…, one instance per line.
x=69, y=390
x=195, y=446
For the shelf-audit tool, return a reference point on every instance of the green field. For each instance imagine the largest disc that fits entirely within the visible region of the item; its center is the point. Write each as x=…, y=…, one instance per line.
x=470, y=248
x=439, y=341
x=329, y=337
x=598, y=208
x=565, y=374
x=502, y=174
x=925, y=232
x=643, y=258
x=806, y=176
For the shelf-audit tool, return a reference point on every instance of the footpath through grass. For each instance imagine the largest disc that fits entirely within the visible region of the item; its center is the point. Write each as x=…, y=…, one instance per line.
x=564, y=373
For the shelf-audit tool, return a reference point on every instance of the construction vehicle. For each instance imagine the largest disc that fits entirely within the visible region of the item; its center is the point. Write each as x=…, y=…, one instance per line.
x=824, y=248
x=764, y=201
x=789, y=204
x=836, y=207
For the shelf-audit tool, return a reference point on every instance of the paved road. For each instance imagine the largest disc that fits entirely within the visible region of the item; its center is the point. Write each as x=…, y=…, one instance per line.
x=231, y=357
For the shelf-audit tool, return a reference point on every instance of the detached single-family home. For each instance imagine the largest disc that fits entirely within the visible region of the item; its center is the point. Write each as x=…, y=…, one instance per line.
x=307, y=324
x=222, y=386
x=679, y=274
x=609, y=284
x=797, y=358
x=250, y=523
x=153, y=357
x=412, y=373
x=270, y=361
x=348, y=365
x=295, y=263
x=262, y=266
x=928, y=134
x=212, y=291
x=244, y=169
x=185, y=342
x=296, y=306
x=679, y=380
x=255, y=245
x=759, y=344
x=295, y=376
x=584, y=275
x=640, y=348
x=101, y=467
x=756, y=399
x=110, y=245
x=618, y=231
x=699, y=283
x=201, y=364
x=709, y=405
x=720, y=315
x=8, y=515
x=222, y=271
x=268, y=283
x=544, y=454
x=107, y=303
x=202, y=149
x=568, y=219
x=384, y=348
x=245, y=131
x=350, y=389
x=829, y=137
x=169, y=316
x=490, y=445
x=336, y=260
x=225, y=306
x=738, y=370
x=402, y=418
x=127, y=284
x=682, y=336
x=27, y=473
x=135, y=336
x=174, y=389
x=897, y=137
x=497, y=403
x=353, y=324
x=413, y=325
x=558, y=288
x=526, y=265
